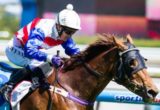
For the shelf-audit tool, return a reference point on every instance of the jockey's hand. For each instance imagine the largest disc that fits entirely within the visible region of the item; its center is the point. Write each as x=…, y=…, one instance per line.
x=57, y=61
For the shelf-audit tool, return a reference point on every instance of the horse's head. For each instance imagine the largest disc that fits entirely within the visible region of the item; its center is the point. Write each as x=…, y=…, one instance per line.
x=110, y=58
x=132, y=72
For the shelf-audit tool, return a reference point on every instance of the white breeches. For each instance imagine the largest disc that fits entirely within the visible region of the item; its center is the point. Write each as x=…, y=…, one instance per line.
x=15, y=55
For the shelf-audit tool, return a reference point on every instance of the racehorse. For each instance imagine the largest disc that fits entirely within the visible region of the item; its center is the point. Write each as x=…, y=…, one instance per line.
x=82, y=78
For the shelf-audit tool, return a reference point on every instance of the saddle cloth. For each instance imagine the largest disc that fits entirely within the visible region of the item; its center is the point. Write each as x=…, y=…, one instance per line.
x=18, y=93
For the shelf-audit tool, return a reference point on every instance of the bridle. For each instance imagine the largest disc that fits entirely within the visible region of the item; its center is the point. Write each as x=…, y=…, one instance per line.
x=125, y=70
x=124, y=64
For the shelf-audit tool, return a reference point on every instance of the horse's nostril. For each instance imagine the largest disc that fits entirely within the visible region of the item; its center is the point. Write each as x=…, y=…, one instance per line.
x=152, y=92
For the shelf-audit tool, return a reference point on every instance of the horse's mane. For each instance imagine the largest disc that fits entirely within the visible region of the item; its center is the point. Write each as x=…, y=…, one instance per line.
x=103, y=43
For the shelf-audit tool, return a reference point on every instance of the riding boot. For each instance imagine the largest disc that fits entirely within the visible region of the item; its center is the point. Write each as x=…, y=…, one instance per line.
x=39, y=72
x=15, y=78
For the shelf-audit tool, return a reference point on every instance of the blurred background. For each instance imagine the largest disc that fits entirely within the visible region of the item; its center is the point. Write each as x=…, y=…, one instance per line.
x=140, y=18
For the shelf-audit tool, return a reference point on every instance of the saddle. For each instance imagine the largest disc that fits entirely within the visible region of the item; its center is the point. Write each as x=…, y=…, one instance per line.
x=21, y=89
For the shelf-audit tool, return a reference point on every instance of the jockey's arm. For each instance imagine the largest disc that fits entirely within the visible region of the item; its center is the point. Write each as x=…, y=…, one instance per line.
x=31, y=49
x=70, y=47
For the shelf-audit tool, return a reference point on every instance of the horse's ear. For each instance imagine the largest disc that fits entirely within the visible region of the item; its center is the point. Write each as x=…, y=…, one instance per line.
x=105, y=37
x=119, y=43
x=129, y=38
x=101, y=36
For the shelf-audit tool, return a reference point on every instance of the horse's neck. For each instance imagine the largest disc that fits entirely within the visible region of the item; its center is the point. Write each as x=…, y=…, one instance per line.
x=75, y=81
x=83, y=84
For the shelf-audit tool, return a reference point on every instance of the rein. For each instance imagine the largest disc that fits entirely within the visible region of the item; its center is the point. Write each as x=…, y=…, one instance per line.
x=89, y=68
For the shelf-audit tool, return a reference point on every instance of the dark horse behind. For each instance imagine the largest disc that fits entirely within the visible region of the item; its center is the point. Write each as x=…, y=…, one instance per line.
x=82, y=78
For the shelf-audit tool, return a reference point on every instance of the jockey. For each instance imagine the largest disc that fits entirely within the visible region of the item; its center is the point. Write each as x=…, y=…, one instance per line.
x=25, y=48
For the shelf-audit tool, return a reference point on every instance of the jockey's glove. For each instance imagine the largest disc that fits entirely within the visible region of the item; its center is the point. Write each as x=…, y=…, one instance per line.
x=56, y=61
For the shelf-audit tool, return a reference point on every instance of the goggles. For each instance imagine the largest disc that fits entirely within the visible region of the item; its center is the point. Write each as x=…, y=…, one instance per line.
x=68, y=31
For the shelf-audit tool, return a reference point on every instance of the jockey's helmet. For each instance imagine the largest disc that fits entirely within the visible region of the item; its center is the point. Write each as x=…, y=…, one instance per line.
x=69, y=18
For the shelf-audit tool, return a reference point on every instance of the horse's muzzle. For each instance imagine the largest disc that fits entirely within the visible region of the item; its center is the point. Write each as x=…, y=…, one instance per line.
x=150, y=95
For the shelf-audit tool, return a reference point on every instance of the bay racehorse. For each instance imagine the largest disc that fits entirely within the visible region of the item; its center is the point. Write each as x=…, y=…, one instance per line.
x=82, y=78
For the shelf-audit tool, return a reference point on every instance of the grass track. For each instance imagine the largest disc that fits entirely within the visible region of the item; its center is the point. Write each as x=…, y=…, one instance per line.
x=138, y=42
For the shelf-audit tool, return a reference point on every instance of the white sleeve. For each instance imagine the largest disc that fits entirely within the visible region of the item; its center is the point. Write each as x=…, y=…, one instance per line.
x=46, y=25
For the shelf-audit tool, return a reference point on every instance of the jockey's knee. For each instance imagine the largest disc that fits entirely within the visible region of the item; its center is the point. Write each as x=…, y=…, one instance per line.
x=43, y=70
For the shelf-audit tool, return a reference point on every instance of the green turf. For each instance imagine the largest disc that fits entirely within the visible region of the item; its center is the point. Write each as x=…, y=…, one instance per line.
x=138, y=42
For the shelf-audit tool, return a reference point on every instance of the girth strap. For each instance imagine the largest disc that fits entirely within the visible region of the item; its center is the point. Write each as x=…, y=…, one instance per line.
x=66, y=94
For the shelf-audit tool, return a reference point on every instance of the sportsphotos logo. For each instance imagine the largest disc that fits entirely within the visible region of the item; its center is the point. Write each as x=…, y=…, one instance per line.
x=122, y=98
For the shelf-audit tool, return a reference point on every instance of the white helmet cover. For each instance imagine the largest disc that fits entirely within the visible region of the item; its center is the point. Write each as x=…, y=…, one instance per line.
x=69, y=18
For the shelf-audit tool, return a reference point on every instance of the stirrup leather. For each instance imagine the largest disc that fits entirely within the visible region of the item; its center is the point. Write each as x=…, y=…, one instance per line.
x=6, y=91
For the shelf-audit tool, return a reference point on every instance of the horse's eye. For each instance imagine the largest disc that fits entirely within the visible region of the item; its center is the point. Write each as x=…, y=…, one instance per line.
x=133, y=63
